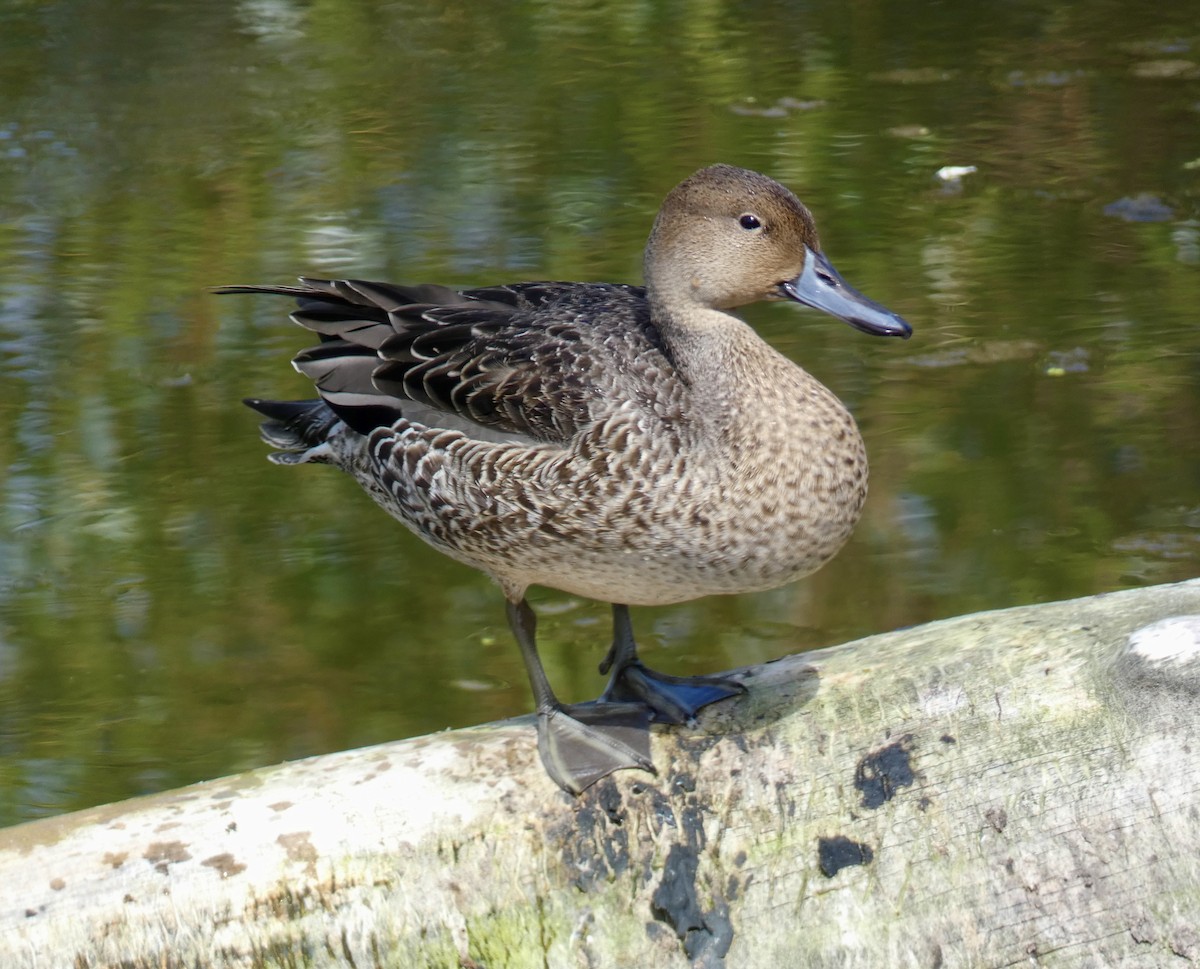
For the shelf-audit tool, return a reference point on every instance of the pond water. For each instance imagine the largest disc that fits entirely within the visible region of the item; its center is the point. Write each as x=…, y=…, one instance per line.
x=174, y=608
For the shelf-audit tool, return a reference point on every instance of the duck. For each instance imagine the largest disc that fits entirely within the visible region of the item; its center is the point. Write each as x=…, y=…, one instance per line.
x=635, y=445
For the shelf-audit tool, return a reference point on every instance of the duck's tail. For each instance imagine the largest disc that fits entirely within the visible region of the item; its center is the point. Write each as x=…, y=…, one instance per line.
x=298, y=429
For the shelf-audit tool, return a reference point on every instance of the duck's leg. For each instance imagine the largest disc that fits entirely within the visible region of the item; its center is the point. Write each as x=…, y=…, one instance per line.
x=580, y=743
x=674, y=699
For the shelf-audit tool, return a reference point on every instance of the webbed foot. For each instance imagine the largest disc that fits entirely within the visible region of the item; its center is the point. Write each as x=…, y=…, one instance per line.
x=581, y=743
x=672, y=699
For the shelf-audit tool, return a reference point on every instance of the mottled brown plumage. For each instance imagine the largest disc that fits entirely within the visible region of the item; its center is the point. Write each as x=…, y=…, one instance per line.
x=637, y=446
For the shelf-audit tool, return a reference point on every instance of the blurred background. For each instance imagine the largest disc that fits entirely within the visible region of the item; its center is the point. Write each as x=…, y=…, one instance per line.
x=174, y=608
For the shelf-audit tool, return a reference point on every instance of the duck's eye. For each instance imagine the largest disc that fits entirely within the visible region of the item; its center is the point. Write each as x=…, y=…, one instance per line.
x=750, y=221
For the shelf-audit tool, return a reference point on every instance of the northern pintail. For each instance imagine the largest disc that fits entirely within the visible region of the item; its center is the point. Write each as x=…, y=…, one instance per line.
x=639, y=446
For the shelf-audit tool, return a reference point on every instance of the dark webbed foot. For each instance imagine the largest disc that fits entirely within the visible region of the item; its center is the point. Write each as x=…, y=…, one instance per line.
x=582, y=743
x=672, y=699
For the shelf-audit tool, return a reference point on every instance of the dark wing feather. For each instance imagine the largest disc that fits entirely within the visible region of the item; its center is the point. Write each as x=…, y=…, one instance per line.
x=534, y=360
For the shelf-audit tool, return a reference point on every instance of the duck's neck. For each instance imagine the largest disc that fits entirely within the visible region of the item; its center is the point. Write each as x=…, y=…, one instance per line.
x=736, y=377
x=713, y=349
x=747, y=394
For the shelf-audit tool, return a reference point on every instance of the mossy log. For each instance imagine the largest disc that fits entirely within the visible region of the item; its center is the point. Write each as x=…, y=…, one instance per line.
x=1009, y=788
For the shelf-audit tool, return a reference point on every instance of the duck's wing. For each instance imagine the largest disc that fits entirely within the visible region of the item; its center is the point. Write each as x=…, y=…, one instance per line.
x=533, y=361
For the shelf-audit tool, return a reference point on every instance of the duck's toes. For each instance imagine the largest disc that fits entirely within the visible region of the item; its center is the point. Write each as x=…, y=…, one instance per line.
x=582, y=743
x=673, y=699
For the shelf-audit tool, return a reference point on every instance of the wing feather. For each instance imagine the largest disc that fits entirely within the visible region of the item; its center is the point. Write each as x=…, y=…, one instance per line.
x=537, y=361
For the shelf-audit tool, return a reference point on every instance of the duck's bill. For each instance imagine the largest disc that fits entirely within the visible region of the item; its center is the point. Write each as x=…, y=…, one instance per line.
x=822, y=287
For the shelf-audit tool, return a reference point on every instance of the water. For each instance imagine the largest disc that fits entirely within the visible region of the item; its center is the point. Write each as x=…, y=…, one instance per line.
x=174, y=608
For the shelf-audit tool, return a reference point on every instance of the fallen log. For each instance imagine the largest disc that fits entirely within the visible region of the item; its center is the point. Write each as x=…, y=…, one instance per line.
x=1016, y=787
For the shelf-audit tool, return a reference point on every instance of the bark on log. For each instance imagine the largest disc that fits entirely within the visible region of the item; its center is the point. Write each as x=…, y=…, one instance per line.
x=1019, y=787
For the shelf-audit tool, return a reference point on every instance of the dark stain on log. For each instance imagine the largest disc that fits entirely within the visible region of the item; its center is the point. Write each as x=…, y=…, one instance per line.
x=706, y=936
x=838, y=852
x=614, y=828
x=162, y=854
x=225, y=863
x=299, y=849
x=683, y=783
x=997, y=818
x=884, y=771
x=596, y=841
x=674, y=900
x=608, y=800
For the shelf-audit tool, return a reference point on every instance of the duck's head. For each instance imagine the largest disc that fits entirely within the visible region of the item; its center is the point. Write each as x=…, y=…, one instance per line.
x=728, y=236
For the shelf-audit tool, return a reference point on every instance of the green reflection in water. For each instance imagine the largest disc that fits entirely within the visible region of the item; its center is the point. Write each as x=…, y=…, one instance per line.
x=173, y=608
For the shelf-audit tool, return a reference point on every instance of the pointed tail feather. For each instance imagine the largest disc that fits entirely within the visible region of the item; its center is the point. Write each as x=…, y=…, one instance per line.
x=294, y=425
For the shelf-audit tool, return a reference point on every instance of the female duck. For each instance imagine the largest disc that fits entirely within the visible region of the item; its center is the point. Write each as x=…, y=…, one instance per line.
x=636, y=446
